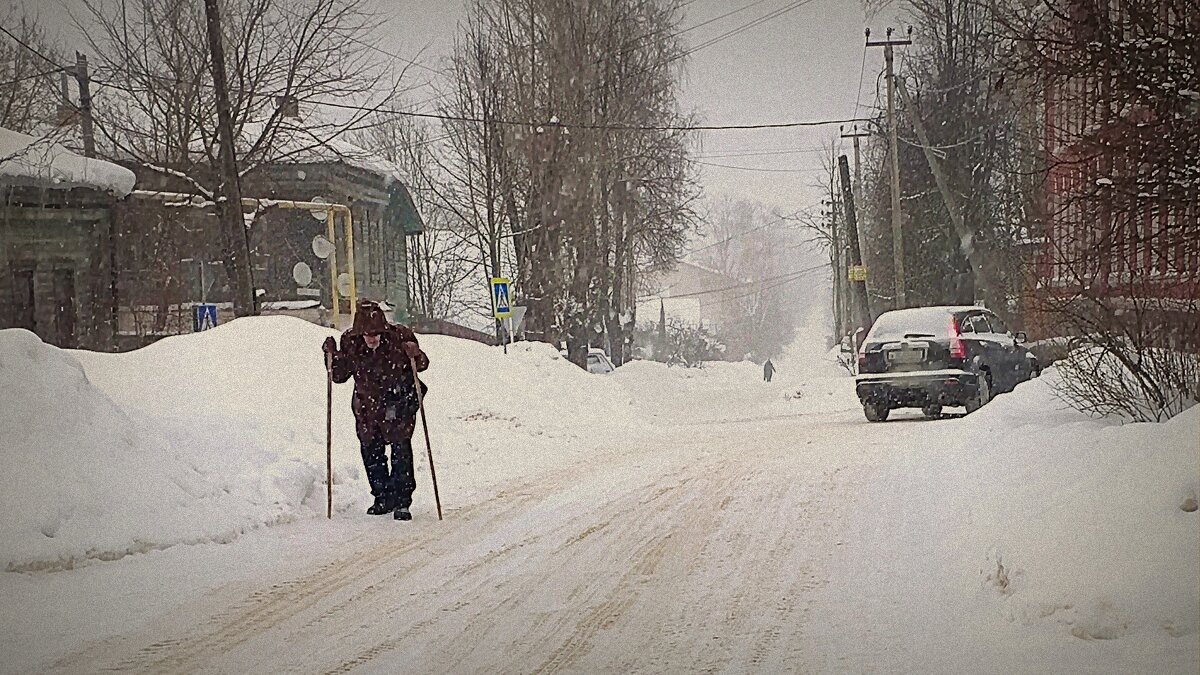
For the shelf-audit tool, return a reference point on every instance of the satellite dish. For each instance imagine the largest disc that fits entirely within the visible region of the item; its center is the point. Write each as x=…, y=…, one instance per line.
x=343, y=283
x=322, y=247
x=319, y=214
x=302, y=273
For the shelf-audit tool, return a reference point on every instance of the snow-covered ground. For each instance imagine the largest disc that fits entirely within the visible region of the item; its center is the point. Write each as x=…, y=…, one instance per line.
x=165, y=510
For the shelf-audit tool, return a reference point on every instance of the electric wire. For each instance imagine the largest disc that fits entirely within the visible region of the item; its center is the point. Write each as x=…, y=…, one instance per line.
x=21, y=42
x=31, y=77
x=745, y=27
x=756, y=168
x=608, y=127
x=775, y=282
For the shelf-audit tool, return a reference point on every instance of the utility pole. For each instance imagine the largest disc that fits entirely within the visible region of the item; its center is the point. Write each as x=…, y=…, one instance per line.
x=897, y=232
x=855, y=135
x=237, y=241
x=80, y=71
x=862, y=308
x=857, y=186
x=839, y=271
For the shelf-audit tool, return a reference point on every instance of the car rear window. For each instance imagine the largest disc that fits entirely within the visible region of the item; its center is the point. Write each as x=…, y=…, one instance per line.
x=933, y=321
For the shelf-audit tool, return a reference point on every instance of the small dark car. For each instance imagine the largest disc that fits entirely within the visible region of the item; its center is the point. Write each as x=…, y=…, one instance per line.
x=931, y=357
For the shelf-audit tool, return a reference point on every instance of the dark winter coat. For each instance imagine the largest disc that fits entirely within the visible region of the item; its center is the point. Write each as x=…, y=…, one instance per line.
x=382, y=378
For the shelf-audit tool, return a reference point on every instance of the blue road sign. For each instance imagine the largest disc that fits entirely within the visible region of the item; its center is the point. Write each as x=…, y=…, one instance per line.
x=204, y=317
x=501, y=300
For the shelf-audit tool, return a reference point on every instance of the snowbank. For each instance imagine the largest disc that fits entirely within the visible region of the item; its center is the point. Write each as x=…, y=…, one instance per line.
x=28, y=160
x=203, y=437
x=86, y=480
x=1089, y=536
x=1035, y=524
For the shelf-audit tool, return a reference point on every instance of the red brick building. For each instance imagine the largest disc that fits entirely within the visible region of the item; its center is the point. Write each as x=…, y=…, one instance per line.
x=1122, y=232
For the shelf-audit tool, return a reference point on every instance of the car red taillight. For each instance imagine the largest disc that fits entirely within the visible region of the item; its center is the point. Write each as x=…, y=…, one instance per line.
x=958, y=350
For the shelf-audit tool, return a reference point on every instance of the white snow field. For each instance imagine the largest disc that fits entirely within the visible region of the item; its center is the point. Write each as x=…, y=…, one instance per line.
x=164, y=511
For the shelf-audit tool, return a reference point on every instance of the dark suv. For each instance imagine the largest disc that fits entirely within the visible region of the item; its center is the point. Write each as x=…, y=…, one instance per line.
x=930, y=357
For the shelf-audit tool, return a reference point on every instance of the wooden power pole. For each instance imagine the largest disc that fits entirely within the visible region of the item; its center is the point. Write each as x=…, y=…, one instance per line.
x=237, y=241
x=85, y=105
x=894, y=156
x=857, y=185
x=862, y=310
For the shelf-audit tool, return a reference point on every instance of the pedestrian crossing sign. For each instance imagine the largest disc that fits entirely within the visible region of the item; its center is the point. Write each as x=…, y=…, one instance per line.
x=501, y=297
x=204, y=317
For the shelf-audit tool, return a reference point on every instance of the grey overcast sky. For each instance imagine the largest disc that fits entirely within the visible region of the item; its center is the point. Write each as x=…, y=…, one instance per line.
x=801, y=65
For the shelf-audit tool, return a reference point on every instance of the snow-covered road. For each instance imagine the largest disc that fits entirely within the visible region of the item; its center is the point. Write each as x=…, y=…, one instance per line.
x=700, y=553
x=654, y=520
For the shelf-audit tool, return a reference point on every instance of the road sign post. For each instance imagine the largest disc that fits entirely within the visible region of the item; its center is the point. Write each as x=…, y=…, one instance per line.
x=502, y=303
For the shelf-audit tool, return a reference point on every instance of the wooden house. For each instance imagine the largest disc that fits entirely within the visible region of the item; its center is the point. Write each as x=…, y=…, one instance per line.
x=57, y=241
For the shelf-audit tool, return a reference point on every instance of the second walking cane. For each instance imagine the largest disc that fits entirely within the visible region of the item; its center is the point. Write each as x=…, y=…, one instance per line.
x=425, y=426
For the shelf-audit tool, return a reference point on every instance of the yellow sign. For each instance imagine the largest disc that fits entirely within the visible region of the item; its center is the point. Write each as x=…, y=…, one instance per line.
x=857, y=273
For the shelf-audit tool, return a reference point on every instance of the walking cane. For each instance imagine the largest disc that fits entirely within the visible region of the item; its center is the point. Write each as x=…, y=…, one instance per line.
x=425, y=425
x=329, y=434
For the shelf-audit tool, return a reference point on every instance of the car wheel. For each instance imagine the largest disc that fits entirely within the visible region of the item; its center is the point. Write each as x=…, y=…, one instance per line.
x=983, y=396
x=876, y=412
x=932, y=411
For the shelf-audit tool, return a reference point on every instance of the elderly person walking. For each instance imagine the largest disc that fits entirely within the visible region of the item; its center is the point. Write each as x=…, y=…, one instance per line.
x=379, y=356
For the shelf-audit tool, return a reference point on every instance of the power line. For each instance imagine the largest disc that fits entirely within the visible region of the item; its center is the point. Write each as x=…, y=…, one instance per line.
x=729, y=154
x=638, y=42
x=755, y=168
x=718, y=18
x=797, y=276
x=746, y=26
x=21, y=42
x=736, y=236
x=379, y=49
x=781, y=279
x=604, y=127
x=31, y=77
x=607, y=127
x=861, y=72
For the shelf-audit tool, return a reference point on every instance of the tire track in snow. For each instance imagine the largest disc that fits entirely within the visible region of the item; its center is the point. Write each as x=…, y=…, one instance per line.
x=262, y=610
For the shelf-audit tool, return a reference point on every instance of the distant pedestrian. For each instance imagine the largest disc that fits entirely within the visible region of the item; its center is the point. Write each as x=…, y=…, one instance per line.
x=379, y=356
x=768, y=370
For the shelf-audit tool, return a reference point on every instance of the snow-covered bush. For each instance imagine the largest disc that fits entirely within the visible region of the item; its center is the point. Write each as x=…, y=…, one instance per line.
x=681, y=344
x=1118, y=377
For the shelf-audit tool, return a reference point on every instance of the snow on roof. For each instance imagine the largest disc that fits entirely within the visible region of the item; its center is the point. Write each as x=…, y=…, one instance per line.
x=301, y=145
x=43, y=162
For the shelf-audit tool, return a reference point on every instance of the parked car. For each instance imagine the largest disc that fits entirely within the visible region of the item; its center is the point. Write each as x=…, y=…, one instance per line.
x=934, y=357
x=598, y=362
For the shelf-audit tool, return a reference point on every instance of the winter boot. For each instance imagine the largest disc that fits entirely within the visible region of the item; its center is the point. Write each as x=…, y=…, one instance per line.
x=383, y=504
x=402, y=513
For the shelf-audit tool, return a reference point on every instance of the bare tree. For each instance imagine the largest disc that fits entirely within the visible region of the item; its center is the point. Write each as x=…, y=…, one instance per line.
x=751, y=243
x=287, y=61
x=441, y=263
x=29, y=79
x=570, y=158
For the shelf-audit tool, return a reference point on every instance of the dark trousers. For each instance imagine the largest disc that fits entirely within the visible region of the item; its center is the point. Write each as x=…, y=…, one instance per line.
x=400, y=481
